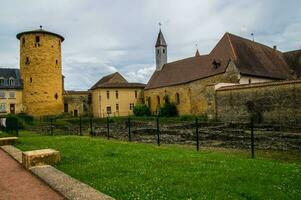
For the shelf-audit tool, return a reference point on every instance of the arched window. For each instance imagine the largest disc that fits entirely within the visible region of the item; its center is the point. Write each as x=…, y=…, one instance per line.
x=177, y=98
x=163, y=51
x=166, y=99
x=158, y=100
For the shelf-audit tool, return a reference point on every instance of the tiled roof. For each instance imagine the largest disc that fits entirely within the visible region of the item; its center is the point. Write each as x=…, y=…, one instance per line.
x=293, y=59
x=115, y=80
x=40, y=31
x=8, y=73
x=251, y=58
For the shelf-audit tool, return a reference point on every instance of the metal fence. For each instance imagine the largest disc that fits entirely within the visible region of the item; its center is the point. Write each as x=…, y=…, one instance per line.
x=192, y=131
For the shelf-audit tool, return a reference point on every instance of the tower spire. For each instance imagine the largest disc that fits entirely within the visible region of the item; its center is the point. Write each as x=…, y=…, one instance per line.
x=161, y=50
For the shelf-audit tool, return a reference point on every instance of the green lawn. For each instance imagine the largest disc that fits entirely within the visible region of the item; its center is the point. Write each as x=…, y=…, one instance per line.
x=144, y=171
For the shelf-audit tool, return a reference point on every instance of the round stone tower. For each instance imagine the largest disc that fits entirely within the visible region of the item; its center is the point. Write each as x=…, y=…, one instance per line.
x=41, y=72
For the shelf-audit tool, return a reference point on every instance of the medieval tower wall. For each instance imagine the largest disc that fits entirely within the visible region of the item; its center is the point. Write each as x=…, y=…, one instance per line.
x=41, y=72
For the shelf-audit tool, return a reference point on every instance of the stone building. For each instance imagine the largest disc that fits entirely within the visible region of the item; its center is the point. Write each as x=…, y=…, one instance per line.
x=113, y=95
x=41, y=72
x=234, y=60
x=77, y=103
x=10, y=91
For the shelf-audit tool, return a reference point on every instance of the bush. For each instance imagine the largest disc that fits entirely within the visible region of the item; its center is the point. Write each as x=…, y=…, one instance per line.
x=13, y=123
x=169, y=110
x=141, y=110
x=27, y=119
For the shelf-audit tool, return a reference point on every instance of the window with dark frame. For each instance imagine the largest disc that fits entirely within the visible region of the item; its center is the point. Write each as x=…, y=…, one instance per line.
x=136, y=94
x=117, y=107
x=177, y=98
x=37, y=39
x=108, y=94
x=158, y=100
x=30, y=80
x=116, y=94
x=109, y=110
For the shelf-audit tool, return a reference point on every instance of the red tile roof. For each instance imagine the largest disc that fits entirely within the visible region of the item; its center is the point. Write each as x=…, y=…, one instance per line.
x=251, y=58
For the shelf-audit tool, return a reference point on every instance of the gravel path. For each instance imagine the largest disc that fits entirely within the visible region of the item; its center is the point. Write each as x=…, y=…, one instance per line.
x=17, y=183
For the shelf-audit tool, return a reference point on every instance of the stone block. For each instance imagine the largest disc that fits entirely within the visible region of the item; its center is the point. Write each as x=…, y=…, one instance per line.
x=8, y=140
x=40, y=157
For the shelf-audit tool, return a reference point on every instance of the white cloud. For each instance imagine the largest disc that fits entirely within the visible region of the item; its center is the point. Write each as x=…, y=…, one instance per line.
x=102, y=36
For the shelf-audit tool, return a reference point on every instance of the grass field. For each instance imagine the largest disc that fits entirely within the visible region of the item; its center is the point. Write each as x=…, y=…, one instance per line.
x=144, y=171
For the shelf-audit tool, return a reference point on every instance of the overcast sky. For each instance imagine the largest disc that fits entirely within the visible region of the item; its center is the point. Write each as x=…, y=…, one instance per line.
x=104, y=36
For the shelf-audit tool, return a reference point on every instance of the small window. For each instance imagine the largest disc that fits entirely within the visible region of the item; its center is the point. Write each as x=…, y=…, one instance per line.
x=12, y=95
x=109, y=110
x=250, y=81
x=177, y=98
x=56, y=62
x=116, y=94
x=30, y=80
x=27, y=61
x=11, y=82
x=56, y=96
x=2, y=107
x=131, y=106
x=23, y=41
x=163, y=51
x=37, y=39
x=158, y=51
x=2, y=94
x=117, y=107
x=136, y=94
x=108, y=94
x=166, y=99
x=65, y=107
x=158, y=100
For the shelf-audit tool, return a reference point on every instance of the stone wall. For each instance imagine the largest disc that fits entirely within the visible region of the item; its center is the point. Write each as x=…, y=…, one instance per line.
x=195, y=96
x=274, y=102
x=77, y=103
x=41, y=72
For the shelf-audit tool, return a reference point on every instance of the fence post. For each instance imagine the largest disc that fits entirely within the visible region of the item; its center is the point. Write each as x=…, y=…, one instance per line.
x=197, y=134
x=252, y=137
x=91, y=126
x=158, y=132
x=129, y=126
x=108, y=127
x=80, y=125
x=51, y=124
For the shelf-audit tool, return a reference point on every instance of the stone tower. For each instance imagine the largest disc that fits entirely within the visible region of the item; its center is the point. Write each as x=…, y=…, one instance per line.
x=41, y=72
x=161, y=51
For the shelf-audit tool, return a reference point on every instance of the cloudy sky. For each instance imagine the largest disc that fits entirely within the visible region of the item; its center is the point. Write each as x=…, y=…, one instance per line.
x=104, y=36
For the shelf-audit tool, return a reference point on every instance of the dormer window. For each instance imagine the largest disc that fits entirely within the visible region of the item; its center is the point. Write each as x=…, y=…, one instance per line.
x=11, y=82
x=216, y=63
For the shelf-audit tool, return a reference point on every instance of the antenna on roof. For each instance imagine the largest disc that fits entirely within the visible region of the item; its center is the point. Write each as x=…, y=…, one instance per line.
x=160, y=24
x=252, y=34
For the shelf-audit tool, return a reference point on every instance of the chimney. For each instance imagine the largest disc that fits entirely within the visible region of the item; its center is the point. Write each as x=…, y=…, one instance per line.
x=275, y=47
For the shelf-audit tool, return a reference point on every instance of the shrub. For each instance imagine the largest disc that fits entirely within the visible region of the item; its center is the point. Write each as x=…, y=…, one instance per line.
x=27, y=119
x=141, y=110
x=13, y=123
x=169, y=110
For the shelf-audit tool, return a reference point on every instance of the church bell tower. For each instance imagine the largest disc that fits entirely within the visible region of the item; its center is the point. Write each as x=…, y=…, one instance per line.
x=161, y=51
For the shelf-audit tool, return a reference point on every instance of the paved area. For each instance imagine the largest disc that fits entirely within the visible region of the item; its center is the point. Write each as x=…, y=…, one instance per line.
x=18, y=184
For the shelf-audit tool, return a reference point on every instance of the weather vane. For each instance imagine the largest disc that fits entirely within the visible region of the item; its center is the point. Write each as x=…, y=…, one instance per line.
x=196, y=44
x=160, y=24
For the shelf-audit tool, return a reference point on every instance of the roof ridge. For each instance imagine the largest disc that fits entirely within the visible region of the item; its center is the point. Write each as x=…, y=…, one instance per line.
x=233, y=50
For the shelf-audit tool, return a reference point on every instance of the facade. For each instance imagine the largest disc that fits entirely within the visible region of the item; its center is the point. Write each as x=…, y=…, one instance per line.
x=10, y=91
x=77, y=103
x=113, y=95
x=234, y=60
x=41, y=72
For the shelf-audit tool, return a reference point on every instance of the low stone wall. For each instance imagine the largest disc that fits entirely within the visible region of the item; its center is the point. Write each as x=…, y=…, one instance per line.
x=211, y=135
x=274, y=102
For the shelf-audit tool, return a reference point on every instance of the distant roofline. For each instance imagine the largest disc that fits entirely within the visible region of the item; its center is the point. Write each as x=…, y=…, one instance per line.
x=40, y=31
